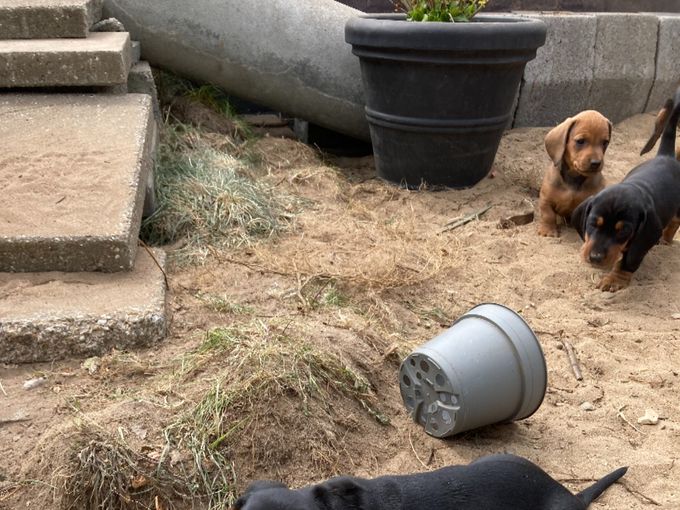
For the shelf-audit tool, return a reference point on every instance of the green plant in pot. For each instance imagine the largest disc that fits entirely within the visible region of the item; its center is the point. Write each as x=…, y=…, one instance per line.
x=440, y=81
x=442, y=10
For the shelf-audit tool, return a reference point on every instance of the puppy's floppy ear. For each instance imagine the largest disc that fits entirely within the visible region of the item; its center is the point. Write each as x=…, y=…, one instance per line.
x=556, y=140
x=256, y=486
x=342, y=489
x=580, y=216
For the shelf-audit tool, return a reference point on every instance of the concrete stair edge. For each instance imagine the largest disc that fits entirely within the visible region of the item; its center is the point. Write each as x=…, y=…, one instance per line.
x=34, y=20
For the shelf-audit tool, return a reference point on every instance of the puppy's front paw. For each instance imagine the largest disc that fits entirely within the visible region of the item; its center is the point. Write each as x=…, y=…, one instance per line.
x=614, y=281
x=548, y=230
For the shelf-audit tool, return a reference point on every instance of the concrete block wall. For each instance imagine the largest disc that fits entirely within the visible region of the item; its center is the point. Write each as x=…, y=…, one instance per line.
x=624, y=67
x=667, y=73
x=563, y=66
x=620, y=64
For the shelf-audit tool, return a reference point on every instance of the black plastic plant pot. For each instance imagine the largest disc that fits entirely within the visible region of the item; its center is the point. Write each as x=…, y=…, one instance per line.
x=440, y=95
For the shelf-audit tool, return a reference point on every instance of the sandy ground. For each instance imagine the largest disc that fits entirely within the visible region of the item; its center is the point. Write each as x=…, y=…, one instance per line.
x=403, y=280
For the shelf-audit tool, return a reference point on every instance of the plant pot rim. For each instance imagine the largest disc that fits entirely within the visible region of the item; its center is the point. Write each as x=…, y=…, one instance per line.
x=484, y=31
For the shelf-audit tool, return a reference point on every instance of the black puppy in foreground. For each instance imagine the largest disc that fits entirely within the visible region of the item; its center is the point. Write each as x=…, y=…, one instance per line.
x=496, y=482
x=623, y=222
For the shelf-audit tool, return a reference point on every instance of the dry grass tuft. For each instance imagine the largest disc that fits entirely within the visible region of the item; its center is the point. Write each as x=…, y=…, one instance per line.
x=108, y=475
x=208, y=199
x=276, y=155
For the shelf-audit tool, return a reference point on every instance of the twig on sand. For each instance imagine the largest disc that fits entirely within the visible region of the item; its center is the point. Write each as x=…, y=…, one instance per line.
x=148, y=250
x=16, y=419
x=459, y=222
x=415, y=452
x=644, y=498
x=573, y=360
x=619, y=413
x=2, y=389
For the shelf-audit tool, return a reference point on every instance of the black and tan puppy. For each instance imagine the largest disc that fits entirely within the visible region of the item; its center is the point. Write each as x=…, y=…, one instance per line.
x=496, y=482
x=576, y=148
x=622, y=223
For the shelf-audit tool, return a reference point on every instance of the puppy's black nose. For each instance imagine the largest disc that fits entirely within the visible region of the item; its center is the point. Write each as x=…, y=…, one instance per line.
x=595, y=164
x=596, y=257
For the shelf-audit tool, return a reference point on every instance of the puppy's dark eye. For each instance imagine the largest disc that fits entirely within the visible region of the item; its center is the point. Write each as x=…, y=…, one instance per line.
x=580, y=142
x=623, y=230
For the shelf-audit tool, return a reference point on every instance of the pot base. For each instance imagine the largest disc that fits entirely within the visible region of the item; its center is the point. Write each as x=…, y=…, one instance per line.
x=429, y=395
x=433, y=154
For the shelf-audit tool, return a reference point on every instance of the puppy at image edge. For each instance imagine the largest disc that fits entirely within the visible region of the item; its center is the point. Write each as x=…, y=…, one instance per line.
x=496, y=482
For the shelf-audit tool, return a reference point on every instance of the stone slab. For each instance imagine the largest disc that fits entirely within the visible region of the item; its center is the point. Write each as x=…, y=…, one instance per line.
x=51, y=316
x=557, y=82
x=140, y=81
x=667, y=75
x=74, y=169
x=623, y=72
x=48, y=19
x=101, y=59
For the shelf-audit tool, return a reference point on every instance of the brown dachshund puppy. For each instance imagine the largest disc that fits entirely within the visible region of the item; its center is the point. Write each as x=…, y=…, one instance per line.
x=576, y=148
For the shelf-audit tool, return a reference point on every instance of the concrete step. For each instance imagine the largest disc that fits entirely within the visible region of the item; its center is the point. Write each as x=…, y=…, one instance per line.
x=73, y=179
x=50, y=316
x=101, y=59
x=47, y=19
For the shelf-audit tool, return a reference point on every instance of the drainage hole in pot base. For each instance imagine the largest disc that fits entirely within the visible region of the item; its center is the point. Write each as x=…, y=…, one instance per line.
x=428, y=395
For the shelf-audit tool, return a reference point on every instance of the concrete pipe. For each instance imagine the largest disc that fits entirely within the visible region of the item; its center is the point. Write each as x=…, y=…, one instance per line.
x=288, y=55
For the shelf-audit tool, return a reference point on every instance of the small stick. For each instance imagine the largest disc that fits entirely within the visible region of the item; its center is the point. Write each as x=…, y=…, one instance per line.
x=2, y=389
x=17, y=419
x=466, y=219
x=619, y=413
x=300, y=286
x=415, y=452
x=576, y=480
x=573, y=360
x=148, y=250
x=644, y=498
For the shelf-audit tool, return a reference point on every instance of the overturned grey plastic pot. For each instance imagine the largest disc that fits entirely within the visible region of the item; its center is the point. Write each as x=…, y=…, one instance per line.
x=488, y=367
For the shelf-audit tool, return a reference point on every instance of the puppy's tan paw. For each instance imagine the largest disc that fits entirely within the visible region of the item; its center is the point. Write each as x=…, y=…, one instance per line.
x=615, y=281
x=548, y=230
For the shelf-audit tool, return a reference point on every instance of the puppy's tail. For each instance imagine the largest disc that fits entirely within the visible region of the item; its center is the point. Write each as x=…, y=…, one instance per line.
x=659, y=125
x=593, y=492
x=665, y=127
